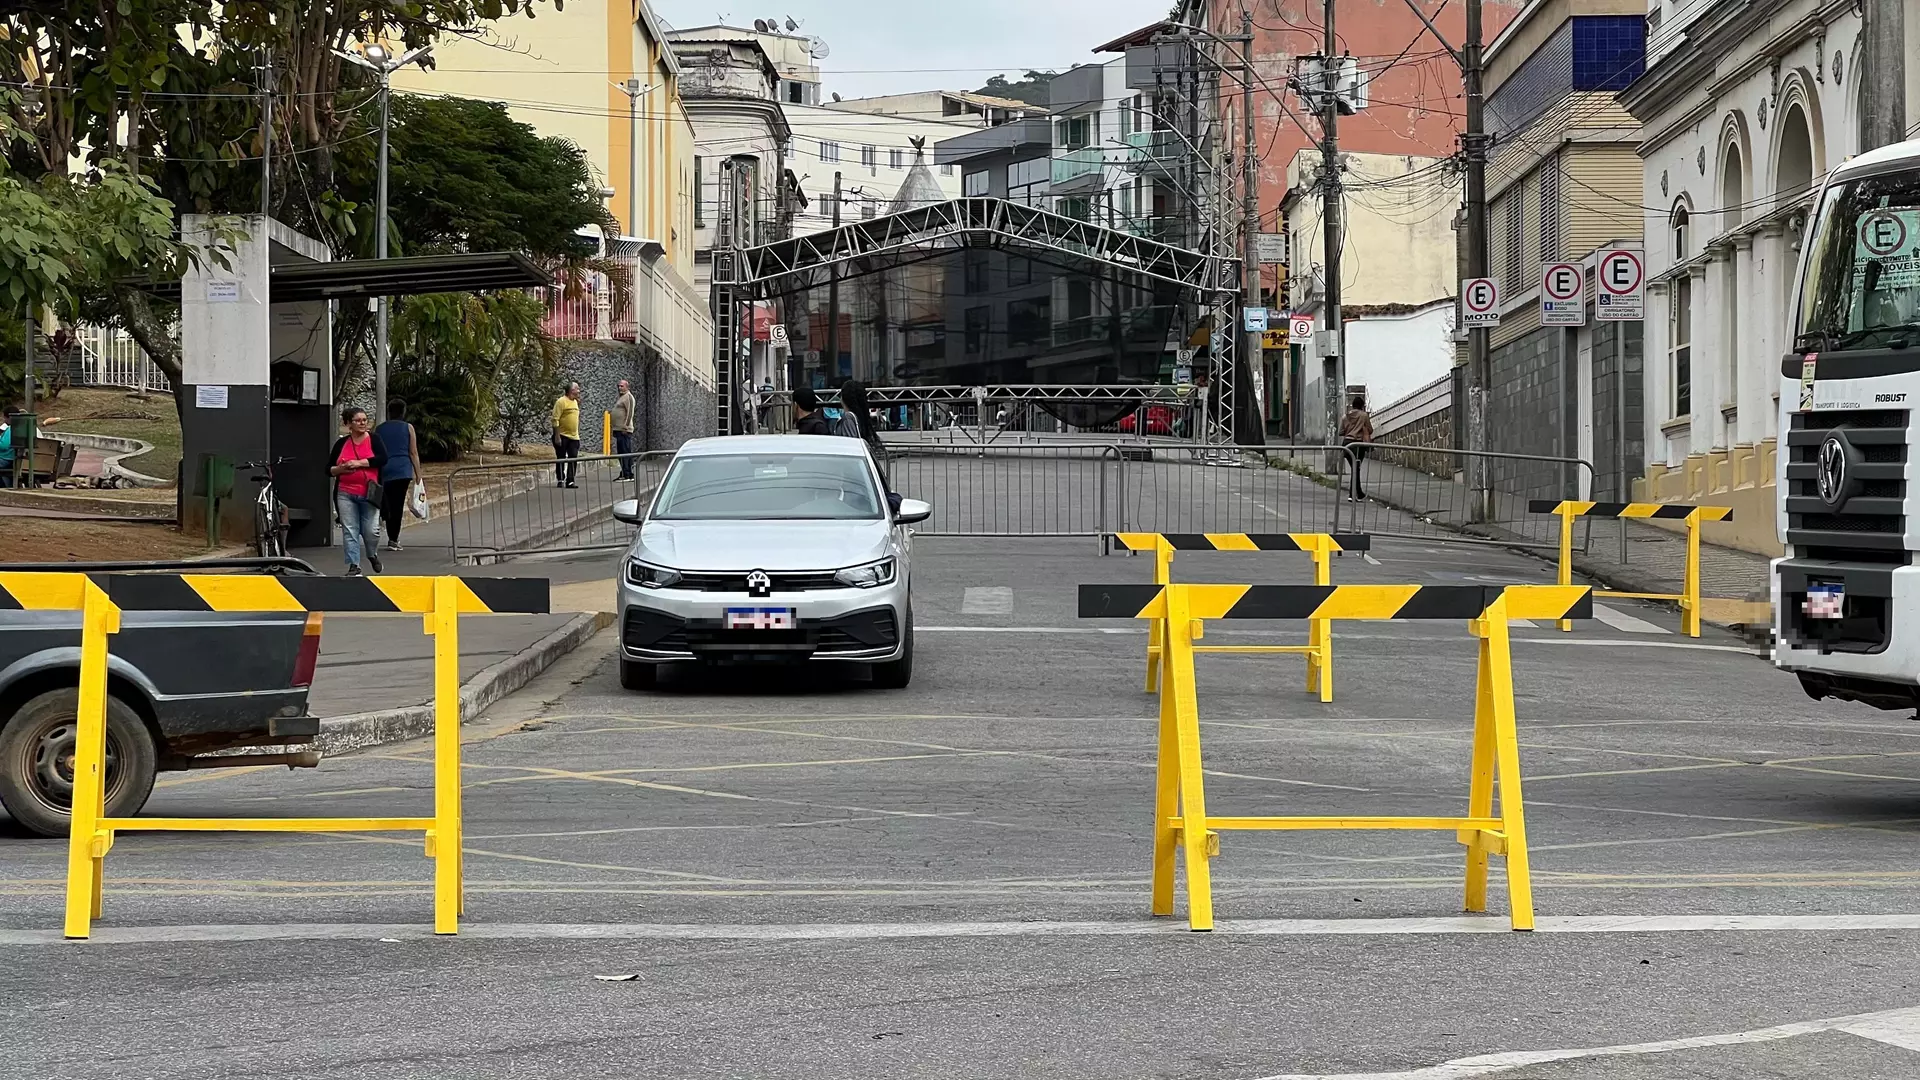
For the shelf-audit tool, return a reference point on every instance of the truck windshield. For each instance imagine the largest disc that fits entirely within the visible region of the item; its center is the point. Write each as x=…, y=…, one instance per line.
x=1862, y=286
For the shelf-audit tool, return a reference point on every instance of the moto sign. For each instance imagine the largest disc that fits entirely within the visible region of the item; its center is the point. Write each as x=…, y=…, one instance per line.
x=1479, y=303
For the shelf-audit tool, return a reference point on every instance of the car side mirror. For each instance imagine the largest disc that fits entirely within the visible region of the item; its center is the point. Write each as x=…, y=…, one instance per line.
x=912, y=512
x=627, y=510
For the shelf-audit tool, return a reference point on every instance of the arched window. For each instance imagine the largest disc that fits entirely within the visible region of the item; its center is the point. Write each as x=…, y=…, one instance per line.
x=1679, y=225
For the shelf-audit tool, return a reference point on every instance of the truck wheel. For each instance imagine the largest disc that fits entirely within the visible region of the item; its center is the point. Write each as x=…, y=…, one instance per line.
x=638, y=676
x=36, y=761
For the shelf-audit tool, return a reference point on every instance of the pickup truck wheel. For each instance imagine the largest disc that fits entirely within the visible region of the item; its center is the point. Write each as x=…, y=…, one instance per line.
x=36, y=761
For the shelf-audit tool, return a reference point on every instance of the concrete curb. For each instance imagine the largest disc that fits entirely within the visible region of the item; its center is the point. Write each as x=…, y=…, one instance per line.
x=125, y=448
x=344, y=734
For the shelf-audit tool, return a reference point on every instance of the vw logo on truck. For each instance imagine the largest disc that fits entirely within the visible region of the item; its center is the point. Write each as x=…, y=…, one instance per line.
x=1832, y=477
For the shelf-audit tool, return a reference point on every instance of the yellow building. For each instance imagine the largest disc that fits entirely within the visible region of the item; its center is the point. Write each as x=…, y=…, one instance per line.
x=566, y=72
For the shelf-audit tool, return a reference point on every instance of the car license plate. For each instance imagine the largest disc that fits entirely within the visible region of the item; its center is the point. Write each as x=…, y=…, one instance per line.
x=1825, y=600
x=760, y=618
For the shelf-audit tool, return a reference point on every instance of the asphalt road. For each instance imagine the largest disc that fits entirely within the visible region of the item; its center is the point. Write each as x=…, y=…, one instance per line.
x=807, y=877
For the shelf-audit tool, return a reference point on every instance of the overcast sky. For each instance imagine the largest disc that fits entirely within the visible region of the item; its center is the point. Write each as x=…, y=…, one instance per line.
x=948, y=44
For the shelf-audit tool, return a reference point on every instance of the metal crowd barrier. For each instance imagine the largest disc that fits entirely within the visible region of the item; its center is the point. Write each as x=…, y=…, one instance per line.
x=1180, y=819
x=1319, y=647
x=1689, y=595
x=1428, y=493
x=539, y=515
x=100, y=598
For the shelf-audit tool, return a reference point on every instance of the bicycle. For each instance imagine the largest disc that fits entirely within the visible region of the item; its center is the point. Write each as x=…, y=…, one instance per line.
x=270, y=516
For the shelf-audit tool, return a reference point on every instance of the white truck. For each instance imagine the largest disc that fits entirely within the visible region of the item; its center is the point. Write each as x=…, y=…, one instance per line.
x=1846, y=597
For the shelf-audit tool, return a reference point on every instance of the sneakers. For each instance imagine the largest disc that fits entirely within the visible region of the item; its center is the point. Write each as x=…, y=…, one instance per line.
x=354, y=571
x=395, y=547
x=374, y=558
x=569, y=484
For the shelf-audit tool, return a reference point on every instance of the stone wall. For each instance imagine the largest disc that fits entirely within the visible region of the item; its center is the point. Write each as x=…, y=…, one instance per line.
x=1435, y=431
x=673, y=406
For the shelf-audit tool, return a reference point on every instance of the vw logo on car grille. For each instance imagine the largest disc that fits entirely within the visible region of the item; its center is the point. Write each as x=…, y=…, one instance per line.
x=759, y=584
x=1831, y=476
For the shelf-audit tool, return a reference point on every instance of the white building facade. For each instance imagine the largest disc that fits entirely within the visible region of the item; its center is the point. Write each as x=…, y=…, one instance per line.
x=1744, y=108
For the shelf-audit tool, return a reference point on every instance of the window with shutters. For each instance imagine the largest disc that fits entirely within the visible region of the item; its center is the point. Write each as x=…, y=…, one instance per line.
x=829, y=151
x=1514, y=256
x=869, y=156
x=896, y=158
x=1553, y=214
x=1680, y=347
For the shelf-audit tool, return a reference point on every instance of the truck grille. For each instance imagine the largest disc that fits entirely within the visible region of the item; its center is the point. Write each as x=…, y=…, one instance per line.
x=1870, y=526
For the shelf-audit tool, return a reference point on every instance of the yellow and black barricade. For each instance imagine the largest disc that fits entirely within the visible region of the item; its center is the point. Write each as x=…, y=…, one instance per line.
x=1319, y=647
x=1689, y=595
x=1180, y=818
x=100, y=598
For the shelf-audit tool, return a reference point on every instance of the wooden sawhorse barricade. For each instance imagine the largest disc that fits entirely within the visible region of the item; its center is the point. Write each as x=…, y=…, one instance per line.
x=1319, y=646
x=1689, y=595
x=1180, y=818
x=100, y=598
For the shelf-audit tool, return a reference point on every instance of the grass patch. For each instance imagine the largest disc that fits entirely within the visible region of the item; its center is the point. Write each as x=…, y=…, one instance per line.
x=117, y=412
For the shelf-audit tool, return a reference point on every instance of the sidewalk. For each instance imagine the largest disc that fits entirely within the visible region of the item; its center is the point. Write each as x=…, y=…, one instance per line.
x=1654, y=562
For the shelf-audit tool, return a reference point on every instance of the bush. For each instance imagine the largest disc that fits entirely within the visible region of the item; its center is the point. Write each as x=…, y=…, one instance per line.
x=442, y=409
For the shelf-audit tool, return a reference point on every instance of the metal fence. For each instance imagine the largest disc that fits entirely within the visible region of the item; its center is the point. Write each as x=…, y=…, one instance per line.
x=541, y=515
x=1459, y=495
x=109, y=357
x=1062, y=488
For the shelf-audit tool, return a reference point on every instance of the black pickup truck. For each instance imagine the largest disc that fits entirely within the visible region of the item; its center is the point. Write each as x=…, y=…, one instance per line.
x=181, y=685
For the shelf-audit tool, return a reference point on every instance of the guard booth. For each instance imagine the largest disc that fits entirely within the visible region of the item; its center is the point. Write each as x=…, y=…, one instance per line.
x=256, y=336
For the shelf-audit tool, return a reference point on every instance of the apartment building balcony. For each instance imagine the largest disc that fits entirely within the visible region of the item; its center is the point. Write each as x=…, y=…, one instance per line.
x=1155, y=153
x=1079, y=172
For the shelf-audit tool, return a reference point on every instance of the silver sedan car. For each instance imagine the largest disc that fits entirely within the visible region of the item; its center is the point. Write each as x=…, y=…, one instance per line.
x=768, y=548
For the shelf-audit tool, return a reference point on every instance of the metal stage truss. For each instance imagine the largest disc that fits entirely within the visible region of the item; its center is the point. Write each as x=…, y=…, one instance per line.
x=741, y=275
x=980, y=222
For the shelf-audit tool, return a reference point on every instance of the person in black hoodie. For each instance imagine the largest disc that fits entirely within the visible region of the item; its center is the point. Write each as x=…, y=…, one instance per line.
x=807, y=417
x=354, y=463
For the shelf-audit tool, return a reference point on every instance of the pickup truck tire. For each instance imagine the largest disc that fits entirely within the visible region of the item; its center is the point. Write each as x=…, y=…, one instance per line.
x=36, y=761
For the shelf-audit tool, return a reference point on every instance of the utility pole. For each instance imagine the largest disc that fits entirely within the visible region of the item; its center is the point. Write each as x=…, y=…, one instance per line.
x=1250, y=267
x=634, y=184
x=831, y=362
x=1883, y=115
x=266, y=136
x=1333, y=366
x=1473, y=144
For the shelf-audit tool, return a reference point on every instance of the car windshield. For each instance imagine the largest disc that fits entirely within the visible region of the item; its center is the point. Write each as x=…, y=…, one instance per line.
x=1862, y=283
x=745, y=487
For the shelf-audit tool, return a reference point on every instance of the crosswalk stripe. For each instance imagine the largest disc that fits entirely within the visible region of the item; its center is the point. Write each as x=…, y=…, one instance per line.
x=987, y=600
x=1625, y=623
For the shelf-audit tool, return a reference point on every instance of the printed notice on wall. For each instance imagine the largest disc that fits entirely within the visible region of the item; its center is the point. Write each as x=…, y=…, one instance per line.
x=209, y=397
x=223, y=292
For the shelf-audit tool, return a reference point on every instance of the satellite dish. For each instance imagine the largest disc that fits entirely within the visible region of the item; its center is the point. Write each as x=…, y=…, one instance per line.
x=791, y=25
x=760, y=25
x=836, y=97
x=817, y=48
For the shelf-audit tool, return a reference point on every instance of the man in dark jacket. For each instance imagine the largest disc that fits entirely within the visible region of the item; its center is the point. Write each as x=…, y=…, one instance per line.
x=807, y=417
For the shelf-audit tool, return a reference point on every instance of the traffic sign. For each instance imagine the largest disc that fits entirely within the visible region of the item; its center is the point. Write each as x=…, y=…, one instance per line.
x=777, y=335
x=1254, y=320
x=1299, y=327
x=1479, y=303
x=1622, y=295
x=1882, y=234
x=1562, y=302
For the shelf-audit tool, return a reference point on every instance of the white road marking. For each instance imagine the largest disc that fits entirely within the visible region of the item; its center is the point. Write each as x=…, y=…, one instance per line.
x=1626, y=623
x=987, y=600
x=1455, y=924
x=1368, y=555
x=1895, y=1027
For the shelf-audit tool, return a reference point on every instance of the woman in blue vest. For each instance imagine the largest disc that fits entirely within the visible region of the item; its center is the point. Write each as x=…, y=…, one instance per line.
x=402, y=469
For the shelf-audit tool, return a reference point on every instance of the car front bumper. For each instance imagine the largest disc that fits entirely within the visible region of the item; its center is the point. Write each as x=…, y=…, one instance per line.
x=665, y=625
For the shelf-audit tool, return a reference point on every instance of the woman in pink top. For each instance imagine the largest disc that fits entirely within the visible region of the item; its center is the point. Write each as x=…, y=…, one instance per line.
x=354, y=465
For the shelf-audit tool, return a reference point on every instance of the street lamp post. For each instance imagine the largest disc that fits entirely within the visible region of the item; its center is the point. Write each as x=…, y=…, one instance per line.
x=375, y=58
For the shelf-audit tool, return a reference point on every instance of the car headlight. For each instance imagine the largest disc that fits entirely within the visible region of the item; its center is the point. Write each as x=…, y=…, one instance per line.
x=648, y=576
x=867, y=575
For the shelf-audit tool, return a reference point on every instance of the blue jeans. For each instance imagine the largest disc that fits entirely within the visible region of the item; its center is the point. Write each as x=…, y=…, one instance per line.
x=623, y=444
x=359, y=525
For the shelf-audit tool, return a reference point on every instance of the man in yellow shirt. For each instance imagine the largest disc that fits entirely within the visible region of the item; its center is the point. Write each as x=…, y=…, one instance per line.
x=566, y=436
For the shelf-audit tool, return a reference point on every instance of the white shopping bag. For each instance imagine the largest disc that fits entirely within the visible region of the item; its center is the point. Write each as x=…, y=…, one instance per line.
x=417, y=501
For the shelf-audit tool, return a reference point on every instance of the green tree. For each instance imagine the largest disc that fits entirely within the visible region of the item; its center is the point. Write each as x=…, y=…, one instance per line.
x=1033, y=88
x=451, y=354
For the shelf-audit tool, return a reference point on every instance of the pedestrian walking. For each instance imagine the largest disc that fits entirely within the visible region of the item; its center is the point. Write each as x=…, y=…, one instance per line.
x=566, y=436
x=624, y=406
x=6, y=451
x=401, y=471
x=1356, y=429
x=808, y=419
x=356, y=461
x=857, y=421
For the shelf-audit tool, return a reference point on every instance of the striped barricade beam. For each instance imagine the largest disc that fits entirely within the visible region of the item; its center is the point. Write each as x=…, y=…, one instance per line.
x=1666, y=511
x=1339, y=602
x=1139, y=541
x=247, y=592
